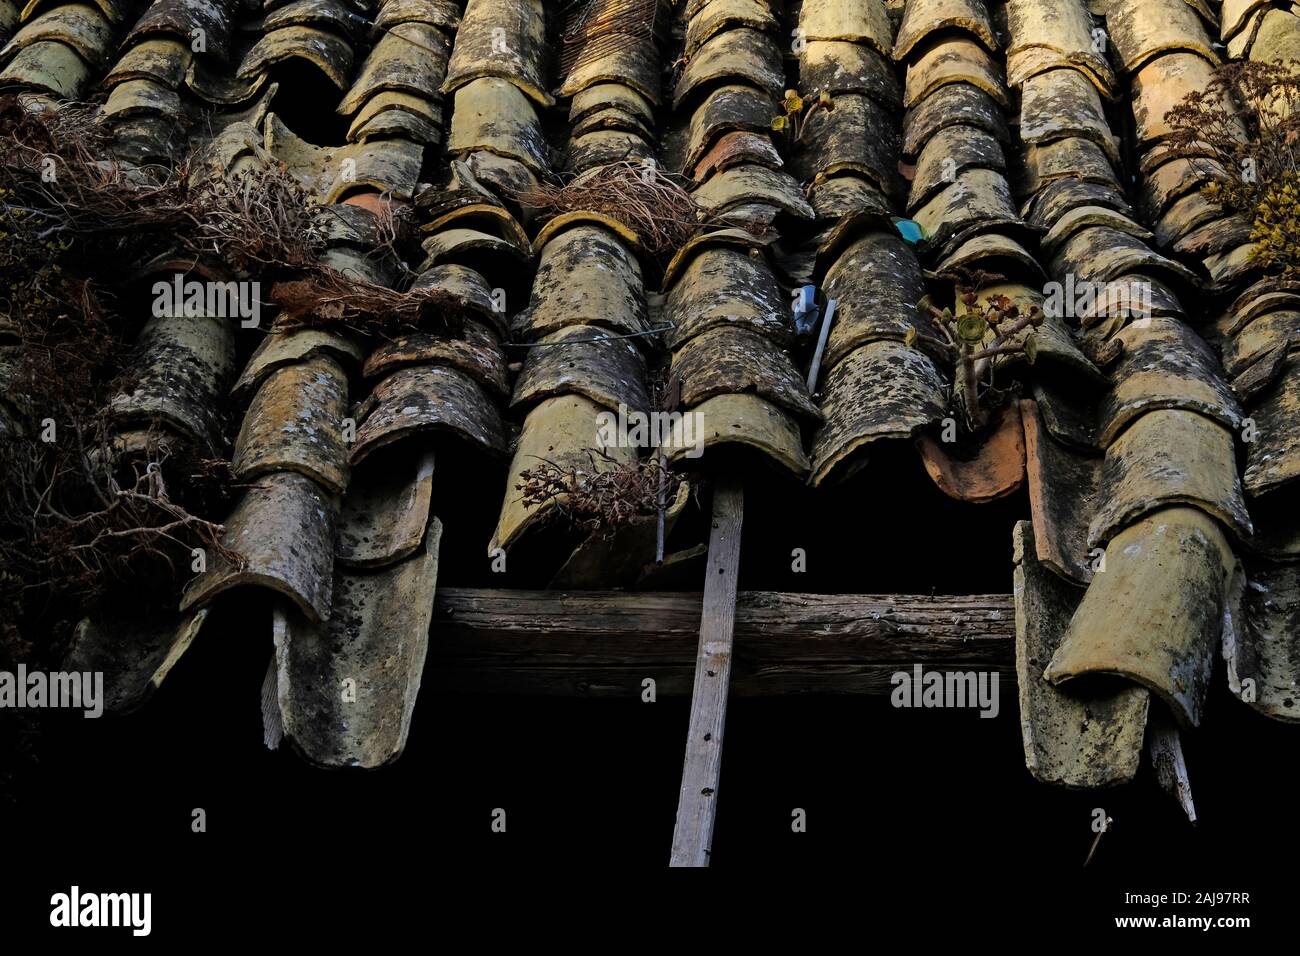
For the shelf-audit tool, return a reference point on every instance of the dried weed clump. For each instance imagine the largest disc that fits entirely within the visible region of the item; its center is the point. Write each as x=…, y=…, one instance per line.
x=652, y=203
x=1242, y=133
x=595, y=494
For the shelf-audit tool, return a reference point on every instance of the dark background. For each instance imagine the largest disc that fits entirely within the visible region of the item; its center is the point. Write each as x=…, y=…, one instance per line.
x=917, y=821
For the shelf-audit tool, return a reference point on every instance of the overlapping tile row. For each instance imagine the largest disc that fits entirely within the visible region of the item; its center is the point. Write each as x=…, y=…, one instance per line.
x=340, y=533
x=728, y=320
x=1137, y=497
x=954, y=134
x=59, y=49
x=872, y=386
x=584, y=329
x=1259, y=339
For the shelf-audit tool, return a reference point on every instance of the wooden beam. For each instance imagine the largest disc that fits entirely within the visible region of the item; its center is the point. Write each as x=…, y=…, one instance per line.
x=604, y=643
x=697, y=802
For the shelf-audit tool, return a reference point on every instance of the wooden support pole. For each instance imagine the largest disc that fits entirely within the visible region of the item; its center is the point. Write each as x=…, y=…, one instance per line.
x=697, y=801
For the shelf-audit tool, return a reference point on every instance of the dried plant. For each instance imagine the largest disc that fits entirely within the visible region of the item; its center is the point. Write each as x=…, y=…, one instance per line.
x=77, y=516
x=653, y=204
x=1243, y=134
x=327, y=297
x=259, y=220
x=975, y=336
x=597, y=494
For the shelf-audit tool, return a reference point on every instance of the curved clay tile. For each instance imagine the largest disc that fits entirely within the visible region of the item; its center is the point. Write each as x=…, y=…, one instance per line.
x=134, y=655
x=418, y=114
x=1277, y=38
x=990, y=252
x=183, y=368
x=723, y=285
x=635, y=65
x=331, y=174
x=996, y=470
x=613, y=118
x=880, y=390
x=731, y=57
x=323, y=49
x=493, y=115
x=1071, y=158
x=857, y=135
x=744, y=421
x=386, y=511
x=1069, y=741
x=1046, y=34
x=1144, y=29
x=82, y=27
x=294, y=423
x=583, y=360
x=953, y=61
x=878, y=285
x=282, y=349
x=140, y=97
x=164, y=60
x=178, y=19
x=1185, y=215
x=840, y=66
x=410, y=58
x=1103, y=253
x=476, y=351
x=955, y=103
x=378, y=636
x=737, y=149
x=1063, y=484
x=837, y=196
x=427, y=398
x=1267, y=332
x=863, y=21
x=48, y=67
x=952, y=150
x=1062, y=103
x=978, y=199
x=444, y=14
x=564, y=431
x=727, y=109
x=1173, y=180
x=1273, y=458
x=1045, y=208
x=207, y=80
x=731, y=360
x=283, y=528
x=1235, y=15
x=753, y=184
x=1263, y=651
x=1082, y=217
x=332, y=15
x=923, y=17
x=1164, y=364
x=505, y=39
x=585, y=276
x=1167, y=457
x=604, y=147
x=1160, y=86
x=1155, y=614
x=613, y=95
x=721, y=15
